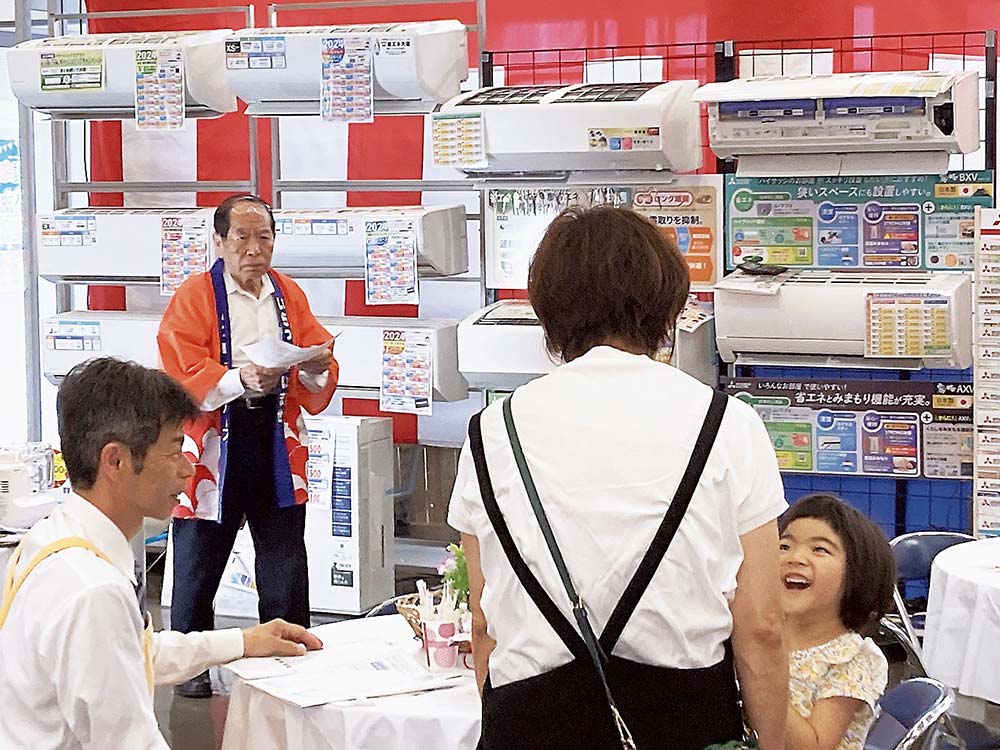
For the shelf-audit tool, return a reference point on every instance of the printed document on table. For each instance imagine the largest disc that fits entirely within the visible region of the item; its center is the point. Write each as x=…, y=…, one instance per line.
x=271, y=352
x=346, y=684
x=379, y=642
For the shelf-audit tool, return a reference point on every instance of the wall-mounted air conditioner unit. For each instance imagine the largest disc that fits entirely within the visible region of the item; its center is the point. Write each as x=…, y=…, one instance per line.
x=826, y=318
x=74, y=337
x=71, y=338
x=596, y=126
x=502, y=346
x=845, y=123
x=112, y=244
x=359, y=352
x=94, y=76
x=331, y=241
x=417, y=66
x=120, y=244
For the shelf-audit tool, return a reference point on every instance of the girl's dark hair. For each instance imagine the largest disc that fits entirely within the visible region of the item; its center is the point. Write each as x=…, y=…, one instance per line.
x=870, y=568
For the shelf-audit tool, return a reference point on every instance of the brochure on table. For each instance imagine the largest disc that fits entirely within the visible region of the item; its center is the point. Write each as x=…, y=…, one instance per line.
x=866, y=223
x=689, y=209
x=898, y=429
x=986, y=501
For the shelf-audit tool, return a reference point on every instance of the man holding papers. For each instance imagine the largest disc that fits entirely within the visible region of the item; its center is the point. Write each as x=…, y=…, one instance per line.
x=250, y=444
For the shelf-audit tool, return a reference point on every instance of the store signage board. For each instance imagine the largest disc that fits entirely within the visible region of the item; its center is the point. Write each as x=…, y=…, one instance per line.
x=880, y=428
x=856, y=223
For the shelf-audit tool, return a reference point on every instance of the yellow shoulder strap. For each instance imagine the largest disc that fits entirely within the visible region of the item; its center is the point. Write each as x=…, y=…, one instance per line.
x=11, y=585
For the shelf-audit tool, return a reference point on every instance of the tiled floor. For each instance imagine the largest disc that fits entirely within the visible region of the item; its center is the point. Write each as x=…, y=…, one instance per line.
x=189, y=724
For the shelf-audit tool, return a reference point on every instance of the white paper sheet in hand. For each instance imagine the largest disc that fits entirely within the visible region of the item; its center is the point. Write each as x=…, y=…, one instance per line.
x=271, y=352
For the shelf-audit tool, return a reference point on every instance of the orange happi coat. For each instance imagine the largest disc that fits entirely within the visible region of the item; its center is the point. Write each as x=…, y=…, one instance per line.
x=190, y=352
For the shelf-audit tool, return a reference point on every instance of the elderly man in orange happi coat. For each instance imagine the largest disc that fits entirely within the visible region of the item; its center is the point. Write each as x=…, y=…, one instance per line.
x=249, y=446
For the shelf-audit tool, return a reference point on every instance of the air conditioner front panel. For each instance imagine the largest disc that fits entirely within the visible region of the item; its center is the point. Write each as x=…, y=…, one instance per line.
x=206, y=90
x=420, y=62
x=335, y=238
x=359, y=352
x=578, y=135
x=501, y=355
x=358, y=349
x=825, y=313
x=71, y=338
x=844, y=113
x=124, y=243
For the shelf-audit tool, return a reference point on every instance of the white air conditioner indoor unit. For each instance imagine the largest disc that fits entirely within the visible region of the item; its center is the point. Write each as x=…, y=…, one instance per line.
x=844, y=123
x=331, y=241
x=359, y=352
x=502, y=346
x=94, y=76
x=112, y=243
x=73, y=337
x=126, y=244
x=820, y=318
x=416, y=66
x=590, y=126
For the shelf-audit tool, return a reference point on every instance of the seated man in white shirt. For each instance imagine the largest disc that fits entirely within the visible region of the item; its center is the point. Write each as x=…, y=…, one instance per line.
x=77, y=666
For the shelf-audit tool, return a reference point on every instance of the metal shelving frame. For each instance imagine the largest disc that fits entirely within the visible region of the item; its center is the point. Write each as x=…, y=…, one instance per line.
x=64, y=187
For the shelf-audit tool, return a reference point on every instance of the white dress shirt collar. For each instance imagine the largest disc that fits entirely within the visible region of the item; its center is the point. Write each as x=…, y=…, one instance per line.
x=266, y=290
x=98, y=528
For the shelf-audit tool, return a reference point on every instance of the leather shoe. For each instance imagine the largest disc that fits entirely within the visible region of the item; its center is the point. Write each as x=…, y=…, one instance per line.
x=199, y=686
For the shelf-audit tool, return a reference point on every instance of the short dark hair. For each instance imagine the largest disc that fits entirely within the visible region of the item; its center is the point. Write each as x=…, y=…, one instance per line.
x=606, y=272
x=870, y=568
x=108, y=400
x=221, y=219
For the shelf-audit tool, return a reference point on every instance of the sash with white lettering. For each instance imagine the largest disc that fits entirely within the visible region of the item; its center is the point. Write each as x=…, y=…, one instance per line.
x=283, y=488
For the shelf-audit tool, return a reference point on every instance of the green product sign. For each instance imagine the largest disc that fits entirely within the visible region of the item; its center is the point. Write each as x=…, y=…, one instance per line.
x=792, y=443
x=905, y=222
x=72, y=71
x=145, y=62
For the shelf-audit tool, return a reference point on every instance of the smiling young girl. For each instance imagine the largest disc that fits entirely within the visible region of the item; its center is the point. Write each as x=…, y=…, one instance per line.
x=838, y=574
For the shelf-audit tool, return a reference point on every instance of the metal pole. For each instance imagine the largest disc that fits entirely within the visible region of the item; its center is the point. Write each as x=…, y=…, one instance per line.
x=275, y=163
x=32, y=318
x=991, y=100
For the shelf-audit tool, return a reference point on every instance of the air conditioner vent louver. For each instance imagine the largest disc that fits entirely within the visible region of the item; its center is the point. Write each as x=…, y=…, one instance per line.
x=509, y=95
x=606, y=92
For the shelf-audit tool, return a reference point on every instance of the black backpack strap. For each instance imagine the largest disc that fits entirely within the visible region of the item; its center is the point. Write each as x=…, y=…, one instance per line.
x=668, y=527
x=566, y=632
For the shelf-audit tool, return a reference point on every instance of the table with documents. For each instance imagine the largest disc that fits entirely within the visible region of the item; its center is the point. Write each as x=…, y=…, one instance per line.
x=367, y=688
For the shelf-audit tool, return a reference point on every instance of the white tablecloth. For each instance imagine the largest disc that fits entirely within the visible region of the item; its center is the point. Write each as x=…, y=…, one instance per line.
x=439, y=720
x=962, y=632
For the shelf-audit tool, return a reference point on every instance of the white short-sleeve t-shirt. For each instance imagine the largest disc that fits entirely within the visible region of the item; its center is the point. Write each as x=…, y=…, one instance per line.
x=607, y=438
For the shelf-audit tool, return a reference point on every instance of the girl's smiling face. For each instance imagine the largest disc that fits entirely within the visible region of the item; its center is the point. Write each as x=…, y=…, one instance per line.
x=813, y=563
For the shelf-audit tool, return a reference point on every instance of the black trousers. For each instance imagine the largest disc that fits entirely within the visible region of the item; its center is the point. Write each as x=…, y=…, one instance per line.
x=202, y=548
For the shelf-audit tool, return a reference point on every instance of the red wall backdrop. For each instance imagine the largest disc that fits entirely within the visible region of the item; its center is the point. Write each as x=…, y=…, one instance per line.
x=391, y=148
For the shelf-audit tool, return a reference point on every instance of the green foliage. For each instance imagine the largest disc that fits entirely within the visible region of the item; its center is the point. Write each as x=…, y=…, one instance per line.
x=455, y=570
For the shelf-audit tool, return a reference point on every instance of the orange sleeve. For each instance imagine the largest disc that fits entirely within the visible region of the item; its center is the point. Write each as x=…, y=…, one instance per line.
x=307, y=331
x=188, y=338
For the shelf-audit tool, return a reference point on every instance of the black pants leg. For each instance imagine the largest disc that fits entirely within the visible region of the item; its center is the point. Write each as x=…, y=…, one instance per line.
x=201, y=551
x=281, y=569
x=202, y=547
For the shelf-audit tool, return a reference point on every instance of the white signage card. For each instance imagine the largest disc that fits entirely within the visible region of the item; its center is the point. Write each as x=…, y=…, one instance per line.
x=407, y=382
x=391, y=262
x=347, y=84
x=159, y=89
x=183, y=250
